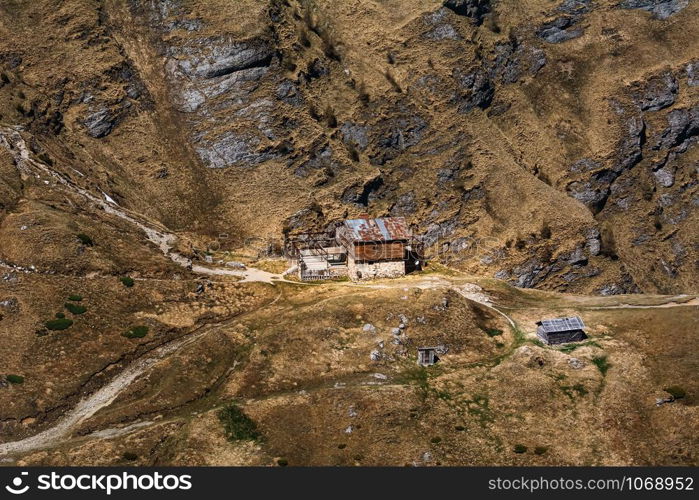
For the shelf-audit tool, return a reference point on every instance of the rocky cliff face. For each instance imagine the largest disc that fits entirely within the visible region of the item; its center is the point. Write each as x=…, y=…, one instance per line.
x=548, y=143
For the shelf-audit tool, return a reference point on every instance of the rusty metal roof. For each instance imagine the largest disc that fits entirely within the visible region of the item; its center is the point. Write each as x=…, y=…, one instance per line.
x=384, y=229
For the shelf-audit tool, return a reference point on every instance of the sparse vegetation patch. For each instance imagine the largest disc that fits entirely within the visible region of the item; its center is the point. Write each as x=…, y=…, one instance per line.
x=59, y=324
x=237, y=425
x=136, y=332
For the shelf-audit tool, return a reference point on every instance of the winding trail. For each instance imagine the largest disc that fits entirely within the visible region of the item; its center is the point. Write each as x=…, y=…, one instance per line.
x=99, y=399
x=13, y=141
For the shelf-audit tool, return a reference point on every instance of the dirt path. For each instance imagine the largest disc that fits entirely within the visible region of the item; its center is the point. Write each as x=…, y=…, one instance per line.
x=165, y=241
x=101, y=398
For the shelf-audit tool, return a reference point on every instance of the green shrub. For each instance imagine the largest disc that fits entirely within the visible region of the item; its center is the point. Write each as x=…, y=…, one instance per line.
x=519, y=448
x=60, y=315
x=237, y=425
x=127, y=281
x=85, y=239
x=75, y=308
x=460, y=428
x=282, y=462
x=130, y=456
x=540, y=450
x=676, y=391
x=15, y=379
x=75, y=298
x=59, y=324
x=602, y=364
x=436, y=440
x=492, y=332
x=136, y=332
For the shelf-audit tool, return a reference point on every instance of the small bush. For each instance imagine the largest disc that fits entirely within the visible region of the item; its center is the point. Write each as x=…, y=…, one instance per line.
x=136, y=332
x=15, y=379
x=676, y=391
x=237, y=425
x=129, y=456
x=127, y=281
x=75, y=298
x=493, y=332
x=282, y=462
x=460, y=428
x=59, y=324
x=540, y=450
x=75, y=308
x=5, y=78
x=60, y=315
x=602, y=364
x=342, y=446
x=85, y=239
x=436, y=440
x=519, y=448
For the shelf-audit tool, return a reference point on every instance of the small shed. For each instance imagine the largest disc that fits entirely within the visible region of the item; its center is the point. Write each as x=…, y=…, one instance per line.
x=561, y=330
x=427, y=356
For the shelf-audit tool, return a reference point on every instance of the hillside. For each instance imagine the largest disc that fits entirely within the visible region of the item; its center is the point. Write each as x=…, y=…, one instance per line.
x=544, y=150
x=551, y=144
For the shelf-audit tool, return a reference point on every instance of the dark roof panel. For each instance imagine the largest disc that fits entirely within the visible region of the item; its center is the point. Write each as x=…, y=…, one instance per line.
x=562, y=324
x=384, y=229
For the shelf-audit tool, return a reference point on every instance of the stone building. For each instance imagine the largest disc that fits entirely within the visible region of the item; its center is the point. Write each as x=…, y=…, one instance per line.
x=376, y=248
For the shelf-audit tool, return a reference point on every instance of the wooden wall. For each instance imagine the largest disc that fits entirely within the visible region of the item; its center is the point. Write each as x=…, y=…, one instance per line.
x=394, y=250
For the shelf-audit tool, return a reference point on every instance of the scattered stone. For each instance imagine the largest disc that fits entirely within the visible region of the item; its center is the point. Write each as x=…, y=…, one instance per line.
x=375, y=355
x=369, y=328
x=576, y=364
x=664, y=177
x=352, y=412
x=236, y=265
x=380, y=376
x=395, y=331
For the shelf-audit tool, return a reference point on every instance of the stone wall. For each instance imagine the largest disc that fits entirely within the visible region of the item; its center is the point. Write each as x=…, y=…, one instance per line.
x=374, y=270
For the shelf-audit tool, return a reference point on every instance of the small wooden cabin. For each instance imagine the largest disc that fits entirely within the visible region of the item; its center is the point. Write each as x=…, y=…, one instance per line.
x=376, y=248
x=427, y=356
x=561, y=330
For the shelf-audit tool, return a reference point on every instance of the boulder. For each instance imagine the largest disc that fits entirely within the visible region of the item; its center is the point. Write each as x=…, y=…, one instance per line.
x=559, y=30
x=658, y=93
x=473, y=9
x=477, y=90
x=369, y=328
x=100, y=121
x=693, y=73
x=661, y=9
